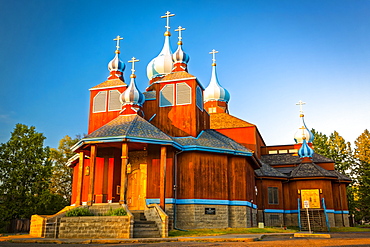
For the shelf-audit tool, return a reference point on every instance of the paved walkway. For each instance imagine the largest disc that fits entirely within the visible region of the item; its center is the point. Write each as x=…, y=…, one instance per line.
x=23, y=238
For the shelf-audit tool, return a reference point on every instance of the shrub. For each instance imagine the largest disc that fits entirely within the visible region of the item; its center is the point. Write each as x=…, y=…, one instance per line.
x=116, y=212
x=79, y=212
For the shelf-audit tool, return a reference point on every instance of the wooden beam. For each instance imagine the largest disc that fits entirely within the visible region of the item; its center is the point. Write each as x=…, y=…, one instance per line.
x=162, y=186
x=124, y=161
x=79, y=179
x=90, y=198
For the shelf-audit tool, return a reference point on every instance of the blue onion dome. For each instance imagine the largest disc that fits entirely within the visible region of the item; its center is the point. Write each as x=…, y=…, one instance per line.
x=116, y=64
x=162, y=64
x=132, y=95
x=214, y=91
x=179, y=56
x=305, y=150
x=303, y=132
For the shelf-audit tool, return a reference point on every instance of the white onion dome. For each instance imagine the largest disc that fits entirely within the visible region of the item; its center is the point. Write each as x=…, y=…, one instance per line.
x=179, y=56
x=305, y=150
x=303, y=132
x=162, y=64
x=132, y=95
x=116, y=64
x=214, y=91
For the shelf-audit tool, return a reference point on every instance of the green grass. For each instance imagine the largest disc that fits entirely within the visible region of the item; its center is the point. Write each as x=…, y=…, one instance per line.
x=222, y=231
x=349, y=229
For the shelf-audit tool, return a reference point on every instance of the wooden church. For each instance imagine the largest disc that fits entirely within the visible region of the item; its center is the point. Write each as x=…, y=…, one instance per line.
x=177, y=147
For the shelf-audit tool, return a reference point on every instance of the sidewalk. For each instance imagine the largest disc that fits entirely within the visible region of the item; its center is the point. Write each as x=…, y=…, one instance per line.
x=221, y=238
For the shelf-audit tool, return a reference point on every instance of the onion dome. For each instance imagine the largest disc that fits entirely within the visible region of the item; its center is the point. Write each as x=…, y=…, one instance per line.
x=303, y=132
x=116, y=64
x=179, y=56
x=214, y=91
x=305, y=151
x=132, y=95
x=162, y=64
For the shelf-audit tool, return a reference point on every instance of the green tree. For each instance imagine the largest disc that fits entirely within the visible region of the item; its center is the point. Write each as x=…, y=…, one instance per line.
x=362, y=153
x=61, y=180
x=25, y=171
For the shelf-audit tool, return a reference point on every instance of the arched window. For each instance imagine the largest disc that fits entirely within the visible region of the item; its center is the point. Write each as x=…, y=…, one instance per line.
x=100, y=102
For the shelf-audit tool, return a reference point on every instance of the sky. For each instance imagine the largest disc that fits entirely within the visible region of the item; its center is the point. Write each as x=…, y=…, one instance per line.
x=271, y=55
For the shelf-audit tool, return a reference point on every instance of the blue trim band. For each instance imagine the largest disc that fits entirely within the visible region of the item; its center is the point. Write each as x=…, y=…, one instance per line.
x=202, y=201
x=281, y=211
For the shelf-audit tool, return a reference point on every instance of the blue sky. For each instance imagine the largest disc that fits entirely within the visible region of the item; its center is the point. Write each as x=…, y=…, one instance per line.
x=271, y=55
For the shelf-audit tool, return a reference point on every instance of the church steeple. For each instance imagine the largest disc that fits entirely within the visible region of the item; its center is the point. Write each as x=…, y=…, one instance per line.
x=116, y=66
x=216, y=97
x=180, y=58
x=162, y=64
x=132, y=99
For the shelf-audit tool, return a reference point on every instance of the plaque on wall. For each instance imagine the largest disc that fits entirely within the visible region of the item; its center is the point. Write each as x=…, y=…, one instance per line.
x=210, y=211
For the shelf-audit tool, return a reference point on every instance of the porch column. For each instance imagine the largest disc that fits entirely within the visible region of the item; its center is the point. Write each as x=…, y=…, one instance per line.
x=124, y=161
x=162, y=185
x=79, y=179
x=90, y=198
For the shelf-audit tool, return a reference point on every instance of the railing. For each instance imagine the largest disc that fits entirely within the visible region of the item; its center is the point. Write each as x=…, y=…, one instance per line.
x=326, y=215
x=156, y=214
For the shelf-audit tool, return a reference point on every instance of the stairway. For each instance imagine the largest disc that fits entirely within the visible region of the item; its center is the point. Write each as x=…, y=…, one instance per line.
x=317, y=220
x=144, y=228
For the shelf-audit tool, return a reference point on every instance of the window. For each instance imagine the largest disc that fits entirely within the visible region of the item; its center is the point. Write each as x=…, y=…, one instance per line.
x=167, y=96
x=100, y=102
x=199, y=98
x=113, y=103
x=212, y=110
x=273, y=152
x=273, y=195
x=283, y=151
x=183, y=94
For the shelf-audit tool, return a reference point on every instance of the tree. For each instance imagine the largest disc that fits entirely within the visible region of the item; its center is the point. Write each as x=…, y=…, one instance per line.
x=362, y=153
x=25, y=170
x=61, y=181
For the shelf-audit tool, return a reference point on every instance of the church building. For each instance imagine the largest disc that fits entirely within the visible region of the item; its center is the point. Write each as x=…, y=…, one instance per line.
x=177, y=147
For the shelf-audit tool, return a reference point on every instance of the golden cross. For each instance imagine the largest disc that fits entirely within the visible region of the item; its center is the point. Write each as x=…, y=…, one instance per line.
x=133, y=60
x=179, y=29
x=118, y=38
x=300, y=103
x=213, y=52
x=168, y=15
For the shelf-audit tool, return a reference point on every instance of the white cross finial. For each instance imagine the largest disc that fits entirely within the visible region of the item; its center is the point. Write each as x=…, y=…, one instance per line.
x=118, y=38
x=133, y=60
x=213, y=52
x=301, y=103
x=168, y=15
x=179, y=29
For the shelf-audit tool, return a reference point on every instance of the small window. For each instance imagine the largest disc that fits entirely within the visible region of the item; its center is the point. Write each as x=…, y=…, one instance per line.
x=273, y=152
x=292, y=151
x=167, y=95
x=273, y=195
x=212, y=110
x=183, y=94
x=199, y=97
x=100, y=102
x=113, y=103
x=283, y=151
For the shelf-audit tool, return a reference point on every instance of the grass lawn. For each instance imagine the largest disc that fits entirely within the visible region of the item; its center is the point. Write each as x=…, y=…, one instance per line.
x=349, y=229
x=222, y=231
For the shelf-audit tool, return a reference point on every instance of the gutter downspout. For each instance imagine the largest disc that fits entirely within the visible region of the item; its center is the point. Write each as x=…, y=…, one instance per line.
x=175, y=194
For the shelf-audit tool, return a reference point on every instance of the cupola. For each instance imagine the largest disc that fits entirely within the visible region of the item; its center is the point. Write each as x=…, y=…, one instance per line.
x=162, y=64
x=216, y=97
x=132, y=99
x=180, y=58
x=116, y=66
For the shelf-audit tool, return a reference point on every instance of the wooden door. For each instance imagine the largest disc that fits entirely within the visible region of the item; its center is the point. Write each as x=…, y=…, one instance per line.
x=136, y=188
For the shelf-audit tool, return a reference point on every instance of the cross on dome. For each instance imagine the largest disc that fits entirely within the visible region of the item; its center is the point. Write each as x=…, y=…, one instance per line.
x=213, y=52
x=118, y=38
x=167, y=16
x=133, y=60
x=179, y=29
x=301, y=103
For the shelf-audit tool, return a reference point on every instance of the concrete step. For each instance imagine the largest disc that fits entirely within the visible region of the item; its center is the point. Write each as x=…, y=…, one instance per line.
x=146, y=234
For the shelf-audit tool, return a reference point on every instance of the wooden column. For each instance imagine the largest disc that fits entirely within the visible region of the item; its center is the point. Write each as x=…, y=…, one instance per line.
x=162, y=185
x=124, y=161
x=90, y=197
x=79, y=179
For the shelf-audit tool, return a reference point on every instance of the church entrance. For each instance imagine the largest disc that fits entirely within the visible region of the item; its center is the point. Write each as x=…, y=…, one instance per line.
x=136, y=188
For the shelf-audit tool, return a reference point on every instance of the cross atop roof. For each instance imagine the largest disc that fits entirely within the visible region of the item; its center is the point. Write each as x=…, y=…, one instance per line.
x=301, y=103
x=168, y=15
x=179, y=29
x=118, y=38
x=213, y=52
x=133, y=60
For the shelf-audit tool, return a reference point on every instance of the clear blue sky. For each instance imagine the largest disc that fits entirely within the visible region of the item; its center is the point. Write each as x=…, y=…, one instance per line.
x=271, y=55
